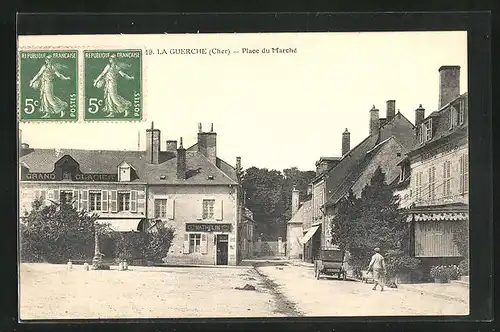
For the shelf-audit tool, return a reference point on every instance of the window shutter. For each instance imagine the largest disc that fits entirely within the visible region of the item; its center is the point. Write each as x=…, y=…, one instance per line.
x=170, y=208
x=219, y=209
x=76, y=199
x=200, y=212
x=104, y=201
x=204, y=243
x=114, y=203
x=56, y=196
x=141, y=202
x=85, y=200
x=133, y=201
x=461, y=172
x=186, y=243
x=466, y=173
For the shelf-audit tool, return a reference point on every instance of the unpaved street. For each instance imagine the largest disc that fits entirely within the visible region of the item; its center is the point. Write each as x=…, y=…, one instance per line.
x=54, y=292
x=332, y=297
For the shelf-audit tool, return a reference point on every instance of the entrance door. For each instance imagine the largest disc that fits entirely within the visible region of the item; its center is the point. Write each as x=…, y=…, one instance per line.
x=222, y=249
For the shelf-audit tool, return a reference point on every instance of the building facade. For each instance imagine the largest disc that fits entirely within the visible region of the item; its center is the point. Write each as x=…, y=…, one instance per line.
x=192, y=190
x=439, y=174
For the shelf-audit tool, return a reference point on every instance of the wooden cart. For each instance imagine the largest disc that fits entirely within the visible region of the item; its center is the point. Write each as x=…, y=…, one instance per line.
x=330, y=262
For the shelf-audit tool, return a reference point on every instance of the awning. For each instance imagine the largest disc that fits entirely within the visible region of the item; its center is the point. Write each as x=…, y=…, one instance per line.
x=439, y=216
x=309, y=234
x=121, y=225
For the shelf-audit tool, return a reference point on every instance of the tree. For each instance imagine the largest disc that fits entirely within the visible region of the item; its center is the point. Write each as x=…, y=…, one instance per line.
x=373, y=220
x=56, y=233
x=269, y=195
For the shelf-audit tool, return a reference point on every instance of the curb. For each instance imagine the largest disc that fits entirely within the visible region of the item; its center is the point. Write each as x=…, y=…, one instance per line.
x=442, y=296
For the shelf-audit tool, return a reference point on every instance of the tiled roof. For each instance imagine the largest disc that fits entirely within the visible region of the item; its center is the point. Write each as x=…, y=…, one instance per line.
x=100, y=161
x=349, y=170
x=441, y=124
x=304, y=214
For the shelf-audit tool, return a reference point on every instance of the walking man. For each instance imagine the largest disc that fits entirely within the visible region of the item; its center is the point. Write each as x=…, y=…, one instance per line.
x=377, y=267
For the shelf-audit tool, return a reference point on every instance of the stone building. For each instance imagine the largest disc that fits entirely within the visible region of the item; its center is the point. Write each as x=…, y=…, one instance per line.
x=438, y=162
x=297, y=226
x=190, y=189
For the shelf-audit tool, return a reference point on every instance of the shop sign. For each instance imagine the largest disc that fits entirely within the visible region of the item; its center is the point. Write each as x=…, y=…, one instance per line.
x=198, y=227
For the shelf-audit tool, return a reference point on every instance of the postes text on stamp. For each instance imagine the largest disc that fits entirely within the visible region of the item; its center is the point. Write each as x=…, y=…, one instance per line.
x=48, y=85
x=113, y=85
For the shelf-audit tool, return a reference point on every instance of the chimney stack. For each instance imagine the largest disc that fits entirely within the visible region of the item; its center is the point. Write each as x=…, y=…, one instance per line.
x=419, y=115
x=171, y=145
x=391, y=110
x=181, y=162
x=238, y=165
x=207, y=144
x=346, y=142
x=295, y=201
x=153, y=145
x=374, y=121
x=449, y=84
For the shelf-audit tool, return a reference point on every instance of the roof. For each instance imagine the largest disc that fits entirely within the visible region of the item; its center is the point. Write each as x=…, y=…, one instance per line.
x=107, y=161
x=441, y=125
x=304, y=214
x=349, y=170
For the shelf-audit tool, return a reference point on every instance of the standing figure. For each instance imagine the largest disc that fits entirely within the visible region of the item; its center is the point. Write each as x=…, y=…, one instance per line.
x=377, y=266
x=44, y=81
x=108, y=81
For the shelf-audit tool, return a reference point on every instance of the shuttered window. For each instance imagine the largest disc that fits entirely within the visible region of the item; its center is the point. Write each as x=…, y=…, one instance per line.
x=464, y=174
x=133, y=201
x=66, y=197
x=208, y=208
x=447, y=178
x=418, y=186
x=432, y=183
x=124, y=201
x=105, y=203
x=95, y=200
x=194, y=243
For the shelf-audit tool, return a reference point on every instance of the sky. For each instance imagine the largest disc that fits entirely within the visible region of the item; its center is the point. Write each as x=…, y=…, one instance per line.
x=273, y=110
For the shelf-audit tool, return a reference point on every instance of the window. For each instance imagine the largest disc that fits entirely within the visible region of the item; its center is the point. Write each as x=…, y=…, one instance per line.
x=418, y=186
x=432, y=186
x=427, y=130
x=124, y=173
x=194, y=243
x=208, y=208
x=464, y=174
x=160, y=208
x=123, y=201
x=461, y=113
x=66, y=197
x=95, y=199
x=453, y=117
x=421, y=134
x=447, y=178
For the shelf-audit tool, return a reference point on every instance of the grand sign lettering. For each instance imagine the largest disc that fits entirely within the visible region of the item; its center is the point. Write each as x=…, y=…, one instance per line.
x=208, y=227
x=69, y=177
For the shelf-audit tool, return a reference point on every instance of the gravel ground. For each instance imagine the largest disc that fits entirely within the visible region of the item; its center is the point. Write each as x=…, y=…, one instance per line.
x=332, y=297
x=53, y=292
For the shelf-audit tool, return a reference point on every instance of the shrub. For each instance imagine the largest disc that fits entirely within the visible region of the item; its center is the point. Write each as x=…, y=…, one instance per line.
x=448, y=272
x=463, y=266
x=398, y=261
x=159, y=242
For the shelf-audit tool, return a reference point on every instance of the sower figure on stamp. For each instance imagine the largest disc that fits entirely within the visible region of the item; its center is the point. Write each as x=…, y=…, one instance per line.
x=44, y=81
x=377, y=267
x=108, y=81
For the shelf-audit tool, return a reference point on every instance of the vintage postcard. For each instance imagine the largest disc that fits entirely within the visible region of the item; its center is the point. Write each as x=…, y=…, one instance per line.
x=243, y=175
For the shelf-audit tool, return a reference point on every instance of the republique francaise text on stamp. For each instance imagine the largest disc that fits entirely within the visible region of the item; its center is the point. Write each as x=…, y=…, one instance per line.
x=113, y=89
x=48, y=85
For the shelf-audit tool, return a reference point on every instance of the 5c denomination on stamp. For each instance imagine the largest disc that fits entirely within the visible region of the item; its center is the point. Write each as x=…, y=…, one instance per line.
x=113, y=85
x=48, y=85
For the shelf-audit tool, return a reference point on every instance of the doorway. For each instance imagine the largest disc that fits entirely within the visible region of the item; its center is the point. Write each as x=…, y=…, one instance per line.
x=222, y=249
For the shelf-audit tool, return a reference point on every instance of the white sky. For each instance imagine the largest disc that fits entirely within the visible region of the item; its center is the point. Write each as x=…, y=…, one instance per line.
x=274, y=110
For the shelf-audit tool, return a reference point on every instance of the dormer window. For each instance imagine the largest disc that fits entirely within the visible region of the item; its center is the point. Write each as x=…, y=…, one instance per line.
x=453, y=117
x=427, y=130
x=461, y=112
x=124, y=172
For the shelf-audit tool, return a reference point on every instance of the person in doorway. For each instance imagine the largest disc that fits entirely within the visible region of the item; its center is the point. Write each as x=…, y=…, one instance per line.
x=377, y=267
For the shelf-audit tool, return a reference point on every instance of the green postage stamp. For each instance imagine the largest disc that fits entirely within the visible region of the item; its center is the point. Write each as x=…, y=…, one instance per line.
x=113, y=85
x=48, y=85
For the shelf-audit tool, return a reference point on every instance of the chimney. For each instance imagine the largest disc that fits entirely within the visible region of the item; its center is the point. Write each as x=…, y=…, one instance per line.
x=374, y=121
x=391, y=110
x=171, y=145
x=238, y=165
x=295, y=201
x=181, y=162
x=346, y=142
x=419, y=115
x=207, y=144
x=449, y=84
x=152, y=145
